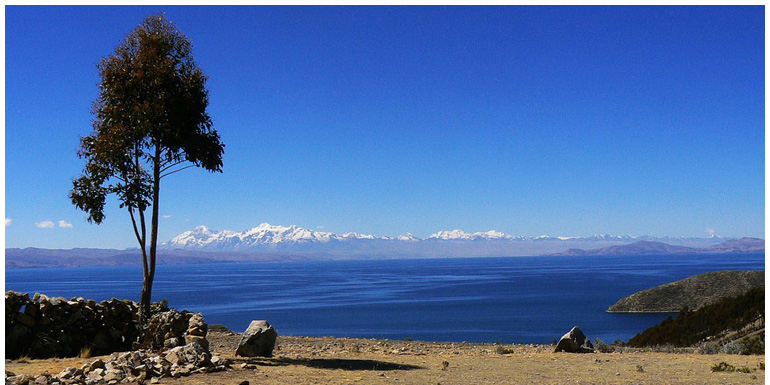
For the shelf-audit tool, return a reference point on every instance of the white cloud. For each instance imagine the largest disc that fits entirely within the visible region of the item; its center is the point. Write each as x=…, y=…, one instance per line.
x=166, y=216
x=63, y=223
x=44, y=225
x=8, y=222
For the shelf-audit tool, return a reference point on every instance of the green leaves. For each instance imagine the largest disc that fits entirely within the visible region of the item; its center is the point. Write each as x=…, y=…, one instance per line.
x=88, y=195
x=150, y=118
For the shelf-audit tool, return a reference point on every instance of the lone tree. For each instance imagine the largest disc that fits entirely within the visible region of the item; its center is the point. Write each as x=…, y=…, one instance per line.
x=150, y=122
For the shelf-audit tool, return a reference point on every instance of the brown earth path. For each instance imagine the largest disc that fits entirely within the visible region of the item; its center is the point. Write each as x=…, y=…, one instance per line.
x=306, y=360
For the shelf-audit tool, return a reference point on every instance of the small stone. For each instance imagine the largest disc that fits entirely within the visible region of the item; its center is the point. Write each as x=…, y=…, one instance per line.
x=22, y=379
x=175, y=356
x=93, y=375
x=66, y=373
x=243, y=383
x=96, y=364
x=112, y=375
x=192, y=339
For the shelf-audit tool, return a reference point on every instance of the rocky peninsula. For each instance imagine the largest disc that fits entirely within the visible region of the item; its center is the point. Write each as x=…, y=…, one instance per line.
x=693, y=292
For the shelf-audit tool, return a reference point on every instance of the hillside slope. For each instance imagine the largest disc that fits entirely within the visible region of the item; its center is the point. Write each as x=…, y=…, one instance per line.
x=729, y=319
x=693, y=292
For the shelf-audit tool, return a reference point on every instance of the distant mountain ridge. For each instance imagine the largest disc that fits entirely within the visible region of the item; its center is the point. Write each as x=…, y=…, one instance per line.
x=267, y=236
x=35, y=257
x=743, y=245
x=268, y=242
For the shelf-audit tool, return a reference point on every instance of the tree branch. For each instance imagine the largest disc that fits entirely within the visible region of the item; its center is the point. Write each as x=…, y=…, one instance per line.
x=140, y=239
x=164, y=168
x=144, y=227
x=176, y=171
x=136, y=230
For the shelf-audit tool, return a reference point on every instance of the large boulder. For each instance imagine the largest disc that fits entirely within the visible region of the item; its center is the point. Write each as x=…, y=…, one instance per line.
x=258, y=340
x=574, y=342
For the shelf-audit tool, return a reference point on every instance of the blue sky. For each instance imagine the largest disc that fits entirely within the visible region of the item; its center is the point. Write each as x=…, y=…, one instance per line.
x=385, y=120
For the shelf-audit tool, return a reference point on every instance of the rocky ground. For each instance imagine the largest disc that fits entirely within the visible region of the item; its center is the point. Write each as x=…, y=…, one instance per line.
x=306, y=360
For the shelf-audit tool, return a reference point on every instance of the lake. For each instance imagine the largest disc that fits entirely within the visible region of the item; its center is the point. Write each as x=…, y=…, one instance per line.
x=508, y=300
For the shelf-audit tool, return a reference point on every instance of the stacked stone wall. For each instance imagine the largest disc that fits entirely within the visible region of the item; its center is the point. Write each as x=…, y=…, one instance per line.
x=43, y=327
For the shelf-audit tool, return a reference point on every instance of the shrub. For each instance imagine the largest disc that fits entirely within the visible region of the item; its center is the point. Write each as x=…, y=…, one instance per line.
x=749, y=346
x=732, y=347
x=708, y=347
x=723, y=367
x=85, y=352
x=753, y=345
x=500, y=349
x=602, y=347
x=732, y=313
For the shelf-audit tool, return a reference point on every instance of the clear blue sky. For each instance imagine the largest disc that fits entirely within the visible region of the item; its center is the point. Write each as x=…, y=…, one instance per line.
x=385, y=120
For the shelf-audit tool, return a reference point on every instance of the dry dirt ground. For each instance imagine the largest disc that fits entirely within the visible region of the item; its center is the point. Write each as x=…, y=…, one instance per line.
x=305, y=360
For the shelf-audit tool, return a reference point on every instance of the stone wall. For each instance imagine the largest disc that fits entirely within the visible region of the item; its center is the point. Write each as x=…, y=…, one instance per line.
x=43, y=327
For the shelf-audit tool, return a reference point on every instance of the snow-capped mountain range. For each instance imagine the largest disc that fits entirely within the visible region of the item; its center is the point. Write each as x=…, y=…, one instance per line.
x=267, y=236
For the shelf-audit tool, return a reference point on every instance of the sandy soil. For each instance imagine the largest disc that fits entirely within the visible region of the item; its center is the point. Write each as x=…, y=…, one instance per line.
x=305, y=360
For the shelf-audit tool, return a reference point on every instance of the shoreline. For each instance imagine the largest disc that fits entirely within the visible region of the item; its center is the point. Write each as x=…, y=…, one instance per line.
x=71, y=258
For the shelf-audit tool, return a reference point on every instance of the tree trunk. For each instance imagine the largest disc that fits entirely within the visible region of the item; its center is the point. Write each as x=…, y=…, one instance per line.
x=145, y=300
x=149, y=276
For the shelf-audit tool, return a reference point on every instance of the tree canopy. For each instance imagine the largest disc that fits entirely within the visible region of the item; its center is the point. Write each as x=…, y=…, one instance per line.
x=150, y=122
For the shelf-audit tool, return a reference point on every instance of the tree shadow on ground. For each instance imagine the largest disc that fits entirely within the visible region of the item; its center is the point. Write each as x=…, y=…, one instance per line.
x=336, y=363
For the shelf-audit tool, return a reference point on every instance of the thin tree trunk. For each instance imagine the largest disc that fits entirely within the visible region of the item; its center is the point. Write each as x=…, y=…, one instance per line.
x=144, y=313
x=148, y=279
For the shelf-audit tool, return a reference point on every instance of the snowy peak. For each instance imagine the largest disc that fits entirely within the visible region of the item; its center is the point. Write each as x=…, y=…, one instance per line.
x=266, y=233
x=408, y=237
x=272, y=237
x=198, y=237
x=453, y=234
x=492, y=234
x=458, y=234
x=263, y=235
x=356, y=236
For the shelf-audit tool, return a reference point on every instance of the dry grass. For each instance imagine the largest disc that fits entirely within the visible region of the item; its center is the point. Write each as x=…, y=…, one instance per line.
x=23, y=359
x=305, y=361
x=85, y=352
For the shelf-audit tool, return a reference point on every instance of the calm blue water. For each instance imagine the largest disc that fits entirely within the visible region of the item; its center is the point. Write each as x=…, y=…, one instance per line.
x=522, y=299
